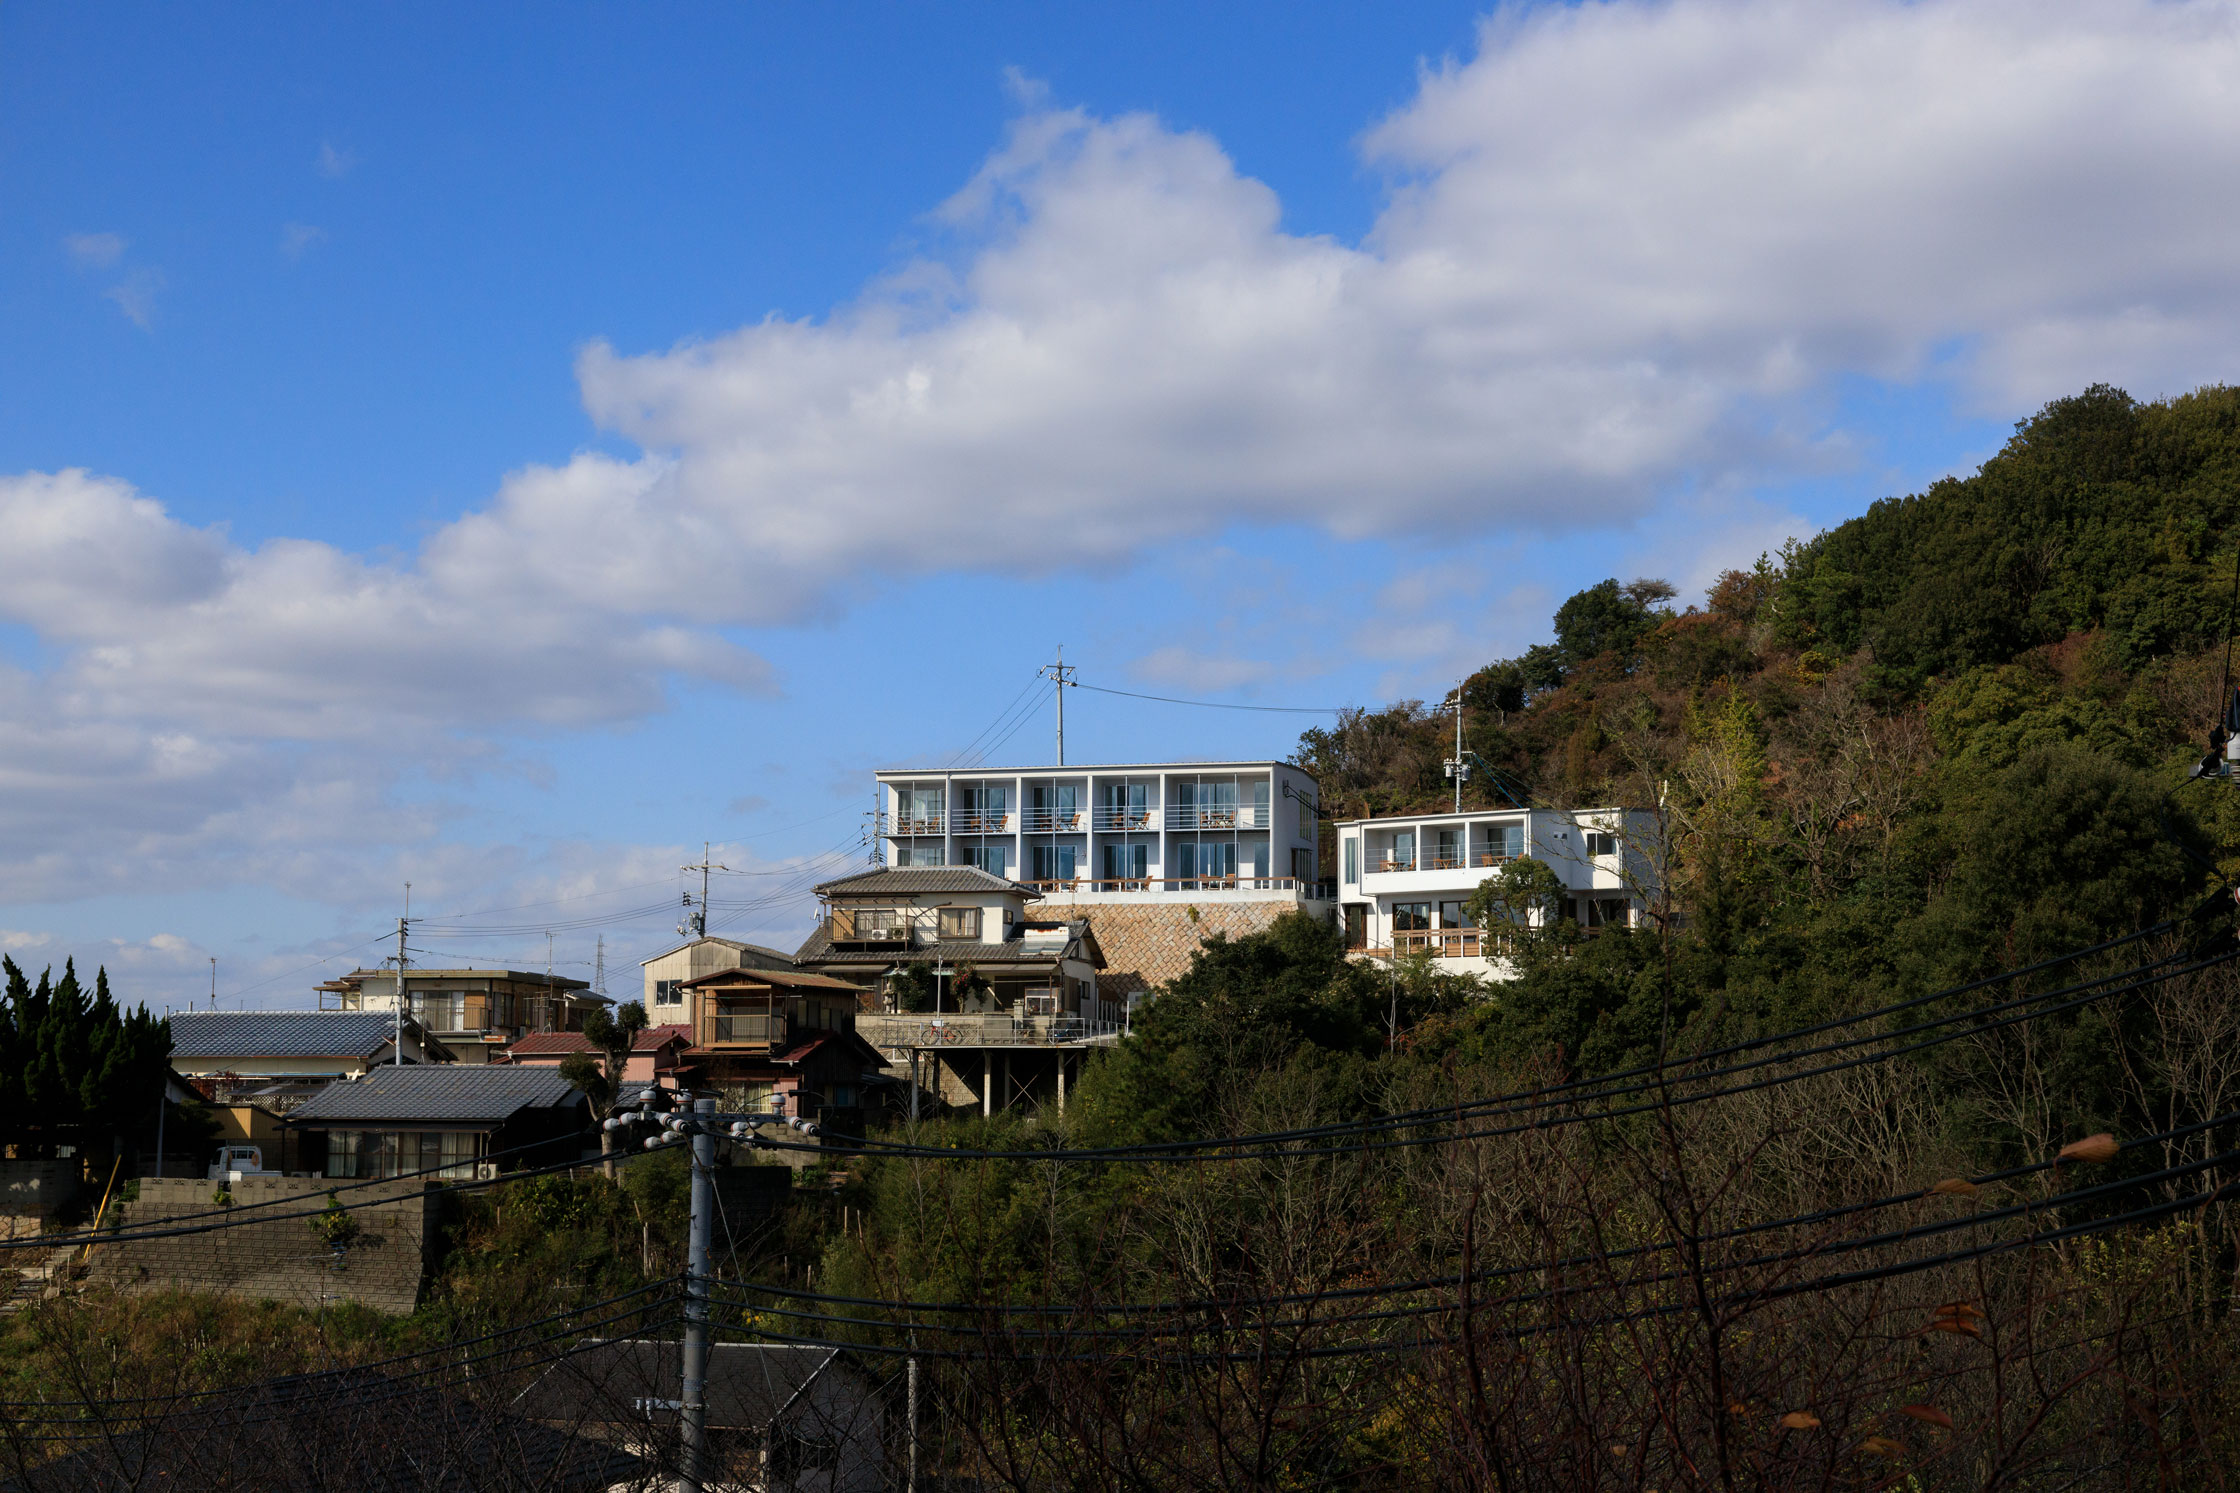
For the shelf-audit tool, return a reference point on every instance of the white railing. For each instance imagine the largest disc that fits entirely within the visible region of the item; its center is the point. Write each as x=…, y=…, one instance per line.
x=1052, y=821
x=1218, y=816
x=1108, y=817
x=925, y=1030
x=1246, y=882
x=983, y=821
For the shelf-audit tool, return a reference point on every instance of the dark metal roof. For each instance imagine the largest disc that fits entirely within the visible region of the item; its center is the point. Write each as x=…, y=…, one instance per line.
x=468, y=1092
x=912, y=881
x=749, y=1385
x=281, y=1034
x=354, y=1429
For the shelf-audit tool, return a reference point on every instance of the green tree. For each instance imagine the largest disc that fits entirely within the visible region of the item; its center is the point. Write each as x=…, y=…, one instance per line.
x=600, y=1075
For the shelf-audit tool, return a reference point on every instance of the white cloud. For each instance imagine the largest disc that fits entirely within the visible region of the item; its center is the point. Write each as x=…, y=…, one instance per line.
x=252, y=707
x=297, y=238
x=1619, y=239
x=135, y=296
x=95, y=251
x=1177, y=667
x=333, y=162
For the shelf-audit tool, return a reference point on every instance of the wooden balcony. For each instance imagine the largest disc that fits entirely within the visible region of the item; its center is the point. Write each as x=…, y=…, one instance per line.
x=747, y=1029
x=1451, y=943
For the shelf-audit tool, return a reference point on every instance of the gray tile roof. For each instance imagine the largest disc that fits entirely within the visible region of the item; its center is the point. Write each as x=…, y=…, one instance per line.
x=281, y=1034
x=911, y=881
x=449, y=1092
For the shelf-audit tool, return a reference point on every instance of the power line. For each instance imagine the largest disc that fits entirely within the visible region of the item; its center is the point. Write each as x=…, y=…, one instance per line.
x=1224, y=1148
x=1220, y=704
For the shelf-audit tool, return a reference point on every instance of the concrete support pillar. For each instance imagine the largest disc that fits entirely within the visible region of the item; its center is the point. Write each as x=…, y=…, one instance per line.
x=1061, y=1083
x=987, y=1082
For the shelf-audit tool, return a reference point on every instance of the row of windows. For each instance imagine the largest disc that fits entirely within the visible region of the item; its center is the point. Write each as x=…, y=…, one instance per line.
x=391, y=1153
x=1453, y=849
x=1594, y=912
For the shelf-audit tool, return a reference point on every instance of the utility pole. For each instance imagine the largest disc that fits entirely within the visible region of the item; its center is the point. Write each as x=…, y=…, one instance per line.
x=402, y=923
x=1060, y=674
x=1458, y=766
x=699, y=1126
x=694, y=1389
x=695, y=923
x=213, y=982
x=598, y=964
x=913, y=1488
x=402, y=990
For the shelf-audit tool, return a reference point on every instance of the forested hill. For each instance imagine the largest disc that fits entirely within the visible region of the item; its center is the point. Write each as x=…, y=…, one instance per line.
x=1947, y=737
x=2091, y=559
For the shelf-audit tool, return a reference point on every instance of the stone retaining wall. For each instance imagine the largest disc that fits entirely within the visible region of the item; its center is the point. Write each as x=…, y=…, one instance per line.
x=276, y=1259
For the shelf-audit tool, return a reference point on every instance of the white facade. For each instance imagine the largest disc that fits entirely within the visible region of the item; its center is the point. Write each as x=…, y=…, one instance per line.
x=1404, y=881
x=1161, y=831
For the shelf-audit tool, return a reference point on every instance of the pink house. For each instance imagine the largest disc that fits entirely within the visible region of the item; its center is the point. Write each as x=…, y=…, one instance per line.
x=656, y=1056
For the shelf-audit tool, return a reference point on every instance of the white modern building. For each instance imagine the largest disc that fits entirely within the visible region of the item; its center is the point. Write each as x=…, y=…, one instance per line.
x=1133, y=832
x=1404, y=883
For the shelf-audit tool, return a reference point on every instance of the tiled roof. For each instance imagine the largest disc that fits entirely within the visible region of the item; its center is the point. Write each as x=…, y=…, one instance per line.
x=911, y=881
x=467, y=1092
x=652, y=1039
x=788, y=979
x=281, y=1034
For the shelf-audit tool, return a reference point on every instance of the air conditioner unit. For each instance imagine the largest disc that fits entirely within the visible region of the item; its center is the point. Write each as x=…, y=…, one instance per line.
x=486, y=1171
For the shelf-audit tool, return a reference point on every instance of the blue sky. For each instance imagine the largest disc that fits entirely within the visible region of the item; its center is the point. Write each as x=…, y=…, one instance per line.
x=501, y=448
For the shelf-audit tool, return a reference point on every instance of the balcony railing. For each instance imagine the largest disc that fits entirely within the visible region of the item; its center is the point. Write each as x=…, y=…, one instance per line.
x=1451, y=943
x=1052, y=821
x=918, y=824
x=1387, y=863
x=1222, y=816
x=1111, y=818
x=881, y=925
x=983, y=821
x=923, y=1031
x=758, y=1028
x=1246, y=882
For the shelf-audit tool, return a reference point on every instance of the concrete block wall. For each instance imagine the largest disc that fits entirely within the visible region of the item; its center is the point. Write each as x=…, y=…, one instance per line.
x=276, y=1259
x=33, y=1191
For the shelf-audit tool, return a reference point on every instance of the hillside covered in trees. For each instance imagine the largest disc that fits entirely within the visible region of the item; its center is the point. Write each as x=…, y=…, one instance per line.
x=1949, y=736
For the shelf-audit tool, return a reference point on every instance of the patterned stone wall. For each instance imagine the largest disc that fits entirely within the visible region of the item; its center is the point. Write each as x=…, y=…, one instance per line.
x=1147, y=944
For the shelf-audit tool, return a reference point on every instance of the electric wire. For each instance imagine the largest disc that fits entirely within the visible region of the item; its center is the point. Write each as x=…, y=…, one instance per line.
x=664, y=1283
x=1932, y=1228
x=1227, y=1148
x=1219, y=704
x=1816, y=1284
